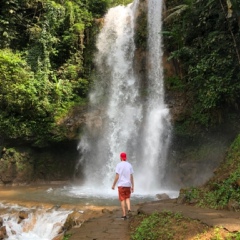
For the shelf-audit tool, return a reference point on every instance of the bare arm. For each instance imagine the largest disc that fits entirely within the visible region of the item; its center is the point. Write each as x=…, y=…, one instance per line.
x=115, y=180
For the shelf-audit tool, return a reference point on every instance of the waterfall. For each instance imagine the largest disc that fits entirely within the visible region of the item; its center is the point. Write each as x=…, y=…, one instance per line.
x=157, y=127
x=123, y=121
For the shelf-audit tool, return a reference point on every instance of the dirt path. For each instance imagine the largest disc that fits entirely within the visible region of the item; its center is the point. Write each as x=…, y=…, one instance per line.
x=110, y=226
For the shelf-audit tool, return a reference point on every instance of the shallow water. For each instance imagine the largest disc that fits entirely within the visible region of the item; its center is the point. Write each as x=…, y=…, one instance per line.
x=73, y=195
x=48, y=207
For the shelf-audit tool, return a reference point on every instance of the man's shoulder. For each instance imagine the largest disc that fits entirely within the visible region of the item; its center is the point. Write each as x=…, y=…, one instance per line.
x=119, y=164
x=129, y=163
x=125, y=163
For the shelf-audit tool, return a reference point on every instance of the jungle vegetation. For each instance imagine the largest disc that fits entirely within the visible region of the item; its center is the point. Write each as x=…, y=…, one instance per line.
x=46, y=52
x=203, y=41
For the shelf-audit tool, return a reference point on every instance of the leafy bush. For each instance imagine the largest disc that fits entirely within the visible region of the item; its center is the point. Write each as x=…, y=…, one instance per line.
x=30, y=106
x=17, y=88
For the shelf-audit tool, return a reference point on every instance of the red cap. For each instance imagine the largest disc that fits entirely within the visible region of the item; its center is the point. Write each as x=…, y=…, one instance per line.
x=123, y=156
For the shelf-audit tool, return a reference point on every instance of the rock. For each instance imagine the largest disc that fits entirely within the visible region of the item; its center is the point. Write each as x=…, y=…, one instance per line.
x=104, y=210
x=13, y=232
x=233, y=205
x=73, y=219
x=162, y=196
x=1, y=235
x=61, y=230
x=59, y=237
x=3, y=232
x=182, y=197
x=23, y=215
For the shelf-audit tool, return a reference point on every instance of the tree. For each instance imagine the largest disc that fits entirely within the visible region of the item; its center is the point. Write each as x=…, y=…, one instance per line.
x=201, y=38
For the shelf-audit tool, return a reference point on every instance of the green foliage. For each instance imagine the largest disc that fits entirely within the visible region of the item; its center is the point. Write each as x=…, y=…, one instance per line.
x=30, y=107
x=140, y=37
x=154, y=227
x=67, y=236
x=233, y=157
x=17, y=90
x=168, y=225
x=219, y=191
x=47, y=73
x=192, y=194
x=227, y=189
x=206, y=43
x=14, y=163
x=174, y=83
x=236, y=236
x=221, y=195
x=96, y=7
x=113, y=3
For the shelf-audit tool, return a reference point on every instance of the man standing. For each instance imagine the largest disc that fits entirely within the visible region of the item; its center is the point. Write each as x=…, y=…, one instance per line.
x=124, y=178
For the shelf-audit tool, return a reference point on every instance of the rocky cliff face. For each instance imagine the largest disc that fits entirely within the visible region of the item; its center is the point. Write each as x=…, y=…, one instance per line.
x=176, y=100
x=21, y=165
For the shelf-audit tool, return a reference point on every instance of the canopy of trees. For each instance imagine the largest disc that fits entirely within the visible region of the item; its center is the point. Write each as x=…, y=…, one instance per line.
x=45, y=63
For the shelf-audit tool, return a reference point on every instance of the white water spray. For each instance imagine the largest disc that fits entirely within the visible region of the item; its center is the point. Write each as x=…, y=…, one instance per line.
x=157, y=128
x=124, y=122
x=40, y=224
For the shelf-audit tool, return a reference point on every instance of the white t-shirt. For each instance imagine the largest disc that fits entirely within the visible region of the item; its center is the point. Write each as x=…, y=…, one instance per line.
x=124, y=169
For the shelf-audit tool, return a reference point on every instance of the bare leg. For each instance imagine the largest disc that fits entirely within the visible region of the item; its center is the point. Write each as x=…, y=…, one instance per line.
x=123, y=205
x=128, y=204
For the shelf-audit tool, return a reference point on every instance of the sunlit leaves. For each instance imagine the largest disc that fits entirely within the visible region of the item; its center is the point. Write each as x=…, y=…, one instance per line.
x=16, y=83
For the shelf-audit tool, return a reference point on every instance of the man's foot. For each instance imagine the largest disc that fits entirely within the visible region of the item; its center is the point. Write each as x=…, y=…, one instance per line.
x=124, y=217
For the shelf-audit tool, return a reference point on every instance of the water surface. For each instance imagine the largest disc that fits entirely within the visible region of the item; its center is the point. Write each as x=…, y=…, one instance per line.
x=72, y=195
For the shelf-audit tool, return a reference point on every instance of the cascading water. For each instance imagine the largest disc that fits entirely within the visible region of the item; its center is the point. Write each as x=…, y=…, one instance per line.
x=40, y=224
x=156, y=127
x=127, y=123
x=117, y=94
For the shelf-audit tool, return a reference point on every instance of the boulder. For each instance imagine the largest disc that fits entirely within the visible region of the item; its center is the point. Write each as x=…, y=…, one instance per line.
x=74, y=219
x=22, y=215
x=162, y=196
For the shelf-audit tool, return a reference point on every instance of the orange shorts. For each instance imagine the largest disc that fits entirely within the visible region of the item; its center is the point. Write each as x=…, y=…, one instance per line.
x=124, y=193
